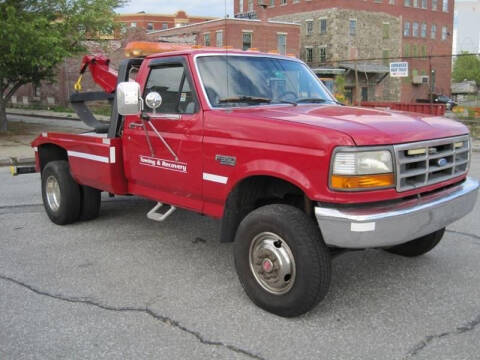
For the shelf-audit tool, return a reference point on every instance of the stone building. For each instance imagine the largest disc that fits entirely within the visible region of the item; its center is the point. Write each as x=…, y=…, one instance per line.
x=332, y=37
x=419, y=32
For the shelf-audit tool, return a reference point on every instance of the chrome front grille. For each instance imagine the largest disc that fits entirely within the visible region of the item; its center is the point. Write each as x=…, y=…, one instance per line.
x=430, y=162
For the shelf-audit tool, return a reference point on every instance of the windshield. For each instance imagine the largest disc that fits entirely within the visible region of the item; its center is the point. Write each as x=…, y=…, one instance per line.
x=231, y=81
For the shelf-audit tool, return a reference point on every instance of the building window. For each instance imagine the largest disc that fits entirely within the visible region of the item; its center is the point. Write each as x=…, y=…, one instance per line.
x=433, y=33
x=434, y=4
x=415, y=29
x=250, y=5
x=246, y=40
x=219, y=38
x=423, y=30
x=240, y=6
x=444, y=32
x=386, y=31
x=391, y=2
x=406, y=29
x=309, y=55
x=407, y=2
x=272, y=3
x=149, y=26
x=415, y=3
x=323, y=54
x=309, y=27
x=386, y=57
x=133, y=24
x=323, y=26
x=283, y=2
x=445, y=5
x=406, y=50
x=424, y=51
x=164, y=26
x=424, y=4
x=282, y=44
x=206, y=39
x=414, y=50
x=353, y=27
x=36, y=91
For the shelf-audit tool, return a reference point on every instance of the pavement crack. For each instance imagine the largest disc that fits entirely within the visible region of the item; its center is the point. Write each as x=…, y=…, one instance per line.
x=427, y=340
x=146, y=310
x=472, y=236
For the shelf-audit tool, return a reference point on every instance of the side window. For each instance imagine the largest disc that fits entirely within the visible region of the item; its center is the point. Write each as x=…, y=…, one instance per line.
x=173, y=84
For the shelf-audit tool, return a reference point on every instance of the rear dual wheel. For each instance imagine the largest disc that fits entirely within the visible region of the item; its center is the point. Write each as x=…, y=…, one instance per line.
x=281, y=260
x=66, y=201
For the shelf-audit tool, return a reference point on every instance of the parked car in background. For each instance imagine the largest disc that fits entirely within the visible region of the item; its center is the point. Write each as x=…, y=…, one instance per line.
x=443, y=99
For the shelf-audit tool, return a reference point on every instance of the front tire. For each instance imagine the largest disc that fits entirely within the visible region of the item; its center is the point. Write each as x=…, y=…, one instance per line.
x=281, y=260
x=418, y=246
x=60, y=193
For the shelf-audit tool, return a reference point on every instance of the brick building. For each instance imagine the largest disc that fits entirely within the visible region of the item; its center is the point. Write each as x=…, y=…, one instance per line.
x=152, y=22
x=334, y=32
x=245, y=34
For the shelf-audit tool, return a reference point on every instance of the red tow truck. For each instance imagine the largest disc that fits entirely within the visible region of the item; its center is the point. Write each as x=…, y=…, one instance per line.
x=257, y=141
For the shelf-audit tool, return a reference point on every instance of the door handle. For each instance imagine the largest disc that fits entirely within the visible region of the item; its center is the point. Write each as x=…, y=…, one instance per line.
x=134, y=125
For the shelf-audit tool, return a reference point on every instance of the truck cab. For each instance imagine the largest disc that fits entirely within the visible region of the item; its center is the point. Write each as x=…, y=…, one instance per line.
x=257, y=141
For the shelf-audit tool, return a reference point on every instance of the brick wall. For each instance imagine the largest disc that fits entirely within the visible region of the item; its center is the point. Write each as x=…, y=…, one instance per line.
x=159, y=21
x=264, y=34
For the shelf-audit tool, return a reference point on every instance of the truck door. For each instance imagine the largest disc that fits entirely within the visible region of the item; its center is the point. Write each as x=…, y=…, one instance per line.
x=168, y=171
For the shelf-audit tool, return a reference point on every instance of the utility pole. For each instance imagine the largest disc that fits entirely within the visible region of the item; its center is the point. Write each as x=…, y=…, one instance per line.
x=357, y=85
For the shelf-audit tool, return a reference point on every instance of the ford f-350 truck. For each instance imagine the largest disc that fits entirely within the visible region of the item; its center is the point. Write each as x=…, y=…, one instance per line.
x=257, y=141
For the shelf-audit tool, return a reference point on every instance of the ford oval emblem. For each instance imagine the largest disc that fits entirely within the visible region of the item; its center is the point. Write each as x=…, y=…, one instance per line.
x=442, y=162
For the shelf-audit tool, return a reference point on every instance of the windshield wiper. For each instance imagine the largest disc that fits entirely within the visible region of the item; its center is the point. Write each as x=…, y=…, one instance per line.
x=310, y=100
x=245, y=99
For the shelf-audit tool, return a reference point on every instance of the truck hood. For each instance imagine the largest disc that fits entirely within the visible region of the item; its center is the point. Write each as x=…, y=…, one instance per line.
x=365, y=126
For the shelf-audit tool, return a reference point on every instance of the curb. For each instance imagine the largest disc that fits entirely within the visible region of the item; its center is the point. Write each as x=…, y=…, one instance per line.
x=53, y=115
x=15, y=162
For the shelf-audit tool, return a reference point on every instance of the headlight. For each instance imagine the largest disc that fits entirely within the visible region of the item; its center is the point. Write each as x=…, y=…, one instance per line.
x=362, y=170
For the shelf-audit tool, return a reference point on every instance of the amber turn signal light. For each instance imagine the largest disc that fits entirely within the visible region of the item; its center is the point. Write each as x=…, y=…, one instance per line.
x=344, y=182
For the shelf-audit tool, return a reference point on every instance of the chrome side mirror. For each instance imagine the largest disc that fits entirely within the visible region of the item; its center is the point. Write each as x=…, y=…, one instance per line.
x=129, y=101
x=153, y=100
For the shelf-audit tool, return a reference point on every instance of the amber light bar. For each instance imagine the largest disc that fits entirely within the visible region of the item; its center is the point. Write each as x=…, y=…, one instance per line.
x=145, y=48
x=352, y=182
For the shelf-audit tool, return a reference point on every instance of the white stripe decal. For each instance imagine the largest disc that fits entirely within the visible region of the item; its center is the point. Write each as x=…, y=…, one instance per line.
x=112, y=155
x=215, y=178
x=81, y=155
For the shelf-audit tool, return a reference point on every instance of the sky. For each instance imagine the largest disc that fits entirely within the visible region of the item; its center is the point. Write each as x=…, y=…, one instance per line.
x=192, y=7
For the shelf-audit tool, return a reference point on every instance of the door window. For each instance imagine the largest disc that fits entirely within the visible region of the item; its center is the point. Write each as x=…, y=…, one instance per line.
x=172, y=82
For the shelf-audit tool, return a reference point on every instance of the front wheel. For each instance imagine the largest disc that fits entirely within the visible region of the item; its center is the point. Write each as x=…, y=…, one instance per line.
x=281, y=260
x=418, y=246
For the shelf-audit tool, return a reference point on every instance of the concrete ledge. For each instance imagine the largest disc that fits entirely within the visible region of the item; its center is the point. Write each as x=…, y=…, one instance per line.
x=16, y=161
x=51, y=114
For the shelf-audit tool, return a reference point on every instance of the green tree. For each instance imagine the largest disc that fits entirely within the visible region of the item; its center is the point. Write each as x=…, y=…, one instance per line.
x=36, y=35
x=466, y=67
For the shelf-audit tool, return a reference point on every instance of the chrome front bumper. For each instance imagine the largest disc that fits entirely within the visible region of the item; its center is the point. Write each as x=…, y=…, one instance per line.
x=359, y=227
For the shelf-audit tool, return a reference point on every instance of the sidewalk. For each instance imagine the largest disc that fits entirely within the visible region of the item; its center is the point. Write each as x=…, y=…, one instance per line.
x=15, y=148
x=51, y=114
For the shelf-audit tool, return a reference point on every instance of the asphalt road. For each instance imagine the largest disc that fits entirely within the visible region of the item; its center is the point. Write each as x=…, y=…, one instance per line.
x=126, y=287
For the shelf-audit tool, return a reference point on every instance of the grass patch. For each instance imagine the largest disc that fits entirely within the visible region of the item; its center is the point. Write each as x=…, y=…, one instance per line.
x=18, y=128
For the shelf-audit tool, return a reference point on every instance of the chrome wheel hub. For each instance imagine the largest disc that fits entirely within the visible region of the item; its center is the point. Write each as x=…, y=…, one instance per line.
x=53, y=193
x=272, y=263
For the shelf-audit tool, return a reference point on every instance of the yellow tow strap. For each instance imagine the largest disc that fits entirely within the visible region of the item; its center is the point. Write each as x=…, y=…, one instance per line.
x=78, y=84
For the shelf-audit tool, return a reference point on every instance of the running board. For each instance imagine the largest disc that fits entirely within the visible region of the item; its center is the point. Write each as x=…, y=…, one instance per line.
x=155, y=215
